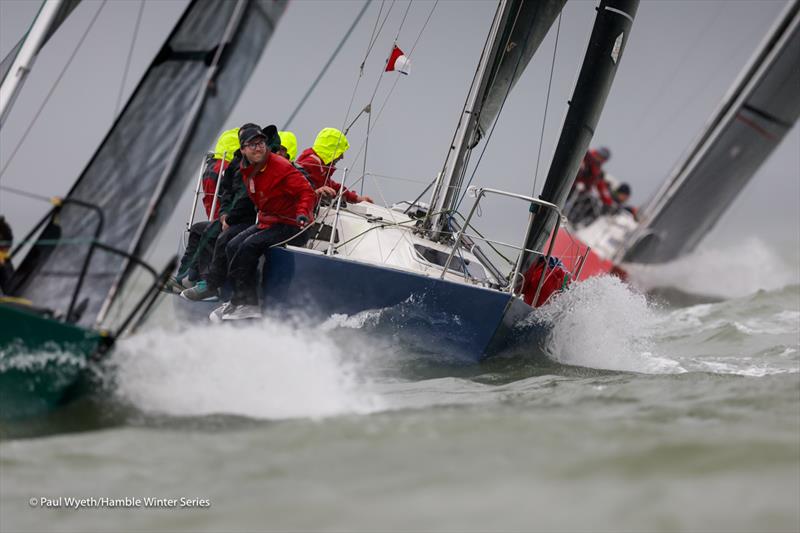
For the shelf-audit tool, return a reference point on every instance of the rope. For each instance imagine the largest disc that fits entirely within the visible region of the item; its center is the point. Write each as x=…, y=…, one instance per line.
x=397, y=79
x=328, y=64
x=27, y=194
x=546, y=106
x=130, y=55
x=373, y=38
x=52, y=89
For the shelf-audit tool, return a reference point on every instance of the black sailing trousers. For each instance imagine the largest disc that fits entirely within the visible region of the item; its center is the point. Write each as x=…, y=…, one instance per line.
x=218, y=268
x=244, y=251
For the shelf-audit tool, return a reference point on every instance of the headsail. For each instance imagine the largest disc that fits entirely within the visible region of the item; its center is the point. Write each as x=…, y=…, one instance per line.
x=18, y=62
x=519, y=27
x=606, y=46
x=750, y=122
x=150, y=153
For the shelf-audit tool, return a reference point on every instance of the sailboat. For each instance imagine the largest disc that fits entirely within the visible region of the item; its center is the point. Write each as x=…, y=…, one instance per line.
x=57, y=315
x=756, y=113
x=421, y=263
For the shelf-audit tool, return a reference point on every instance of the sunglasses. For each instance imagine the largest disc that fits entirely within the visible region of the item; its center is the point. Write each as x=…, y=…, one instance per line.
x=255, y=144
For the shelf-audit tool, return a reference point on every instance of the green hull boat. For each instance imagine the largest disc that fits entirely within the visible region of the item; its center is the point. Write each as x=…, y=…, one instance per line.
x=43, y=362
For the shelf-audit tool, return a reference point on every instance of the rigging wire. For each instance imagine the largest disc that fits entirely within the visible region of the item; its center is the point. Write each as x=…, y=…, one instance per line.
x=397, y=79
x=27, y=194
x=546, y=106
x=52, y=89
x=128, y=60
x=459, y=185
x=373, y=38
x=327, y=65
x=361, y=70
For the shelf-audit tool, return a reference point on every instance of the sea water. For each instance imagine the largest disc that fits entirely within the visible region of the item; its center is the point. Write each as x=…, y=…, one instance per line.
x=677, y=409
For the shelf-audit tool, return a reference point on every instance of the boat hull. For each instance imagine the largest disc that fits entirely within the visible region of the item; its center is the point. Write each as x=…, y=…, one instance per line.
x=42, y=361
x=454, y=322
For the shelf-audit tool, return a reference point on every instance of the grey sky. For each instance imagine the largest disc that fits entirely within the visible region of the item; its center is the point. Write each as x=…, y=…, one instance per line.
x=681, y=59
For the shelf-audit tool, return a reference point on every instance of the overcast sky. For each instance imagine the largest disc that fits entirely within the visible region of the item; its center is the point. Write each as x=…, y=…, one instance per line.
x=681, y=58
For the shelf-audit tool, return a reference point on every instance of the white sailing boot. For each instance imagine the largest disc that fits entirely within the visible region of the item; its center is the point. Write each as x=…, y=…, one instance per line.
x=242, y=312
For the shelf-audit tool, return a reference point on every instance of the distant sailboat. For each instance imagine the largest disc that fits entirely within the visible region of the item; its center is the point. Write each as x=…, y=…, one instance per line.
x=83, y=252
x=760, y=108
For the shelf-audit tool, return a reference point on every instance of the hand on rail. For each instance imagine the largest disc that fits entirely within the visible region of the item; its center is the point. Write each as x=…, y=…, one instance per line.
x=302, y=221
x=223, y=219
x=364, y=198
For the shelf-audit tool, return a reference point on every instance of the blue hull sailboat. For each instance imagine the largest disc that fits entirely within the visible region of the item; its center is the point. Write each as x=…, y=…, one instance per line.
x=422, y=264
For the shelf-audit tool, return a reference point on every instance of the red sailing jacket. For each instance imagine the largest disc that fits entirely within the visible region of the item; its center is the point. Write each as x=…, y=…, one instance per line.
x=591, y=175
x=321, y=174
x=210, y=187
x=279, y=192
x=555, y=281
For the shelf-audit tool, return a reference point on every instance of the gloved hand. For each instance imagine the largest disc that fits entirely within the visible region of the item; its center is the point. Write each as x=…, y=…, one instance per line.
x=302, y=221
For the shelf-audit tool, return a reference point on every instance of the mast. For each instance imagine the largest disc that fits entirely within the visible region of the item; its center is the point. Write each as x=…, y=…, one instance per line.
x=609, y=36
x=455, y=164
x=23, y=62
x=517, y=30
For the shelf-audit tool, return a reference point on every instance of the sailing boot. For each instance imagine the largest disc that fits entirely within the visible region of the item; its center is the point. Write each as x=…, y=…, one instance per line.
x=201, y=293
x=216, y=314
x=241, y=312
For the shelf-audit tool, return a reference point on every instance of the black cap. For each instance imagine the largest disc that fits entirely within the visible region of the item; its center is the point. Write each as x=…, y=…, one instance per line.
x=273, y=139
x=248, y=132
x=624, y=189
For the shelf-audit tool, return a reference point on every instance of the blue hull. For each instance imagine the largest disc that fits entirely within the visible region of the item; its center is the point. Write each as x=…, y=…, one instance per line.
x=454, y=321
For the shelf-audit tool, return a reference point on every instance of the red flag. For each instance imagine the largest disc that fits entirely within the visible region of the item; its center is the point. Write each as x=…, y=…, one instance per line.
x=398, y=61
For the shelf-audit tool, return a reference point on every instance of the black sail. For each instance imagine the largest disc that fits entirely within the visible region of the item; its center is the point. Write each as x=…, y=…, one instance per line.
x=749, y=124
x=152, y=150
x=606, y=46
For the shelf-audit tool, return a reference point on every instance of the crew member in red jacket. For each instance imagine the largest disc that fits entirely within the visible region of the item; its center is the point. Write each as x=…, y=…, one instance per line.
x=285, y=203
x=591, y=175
x=320, y=163
x=556, y=280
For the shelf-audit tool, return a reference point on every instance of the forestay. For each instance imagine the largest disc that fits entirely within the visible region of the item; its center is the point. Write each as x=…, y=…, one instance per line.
x=519, y=27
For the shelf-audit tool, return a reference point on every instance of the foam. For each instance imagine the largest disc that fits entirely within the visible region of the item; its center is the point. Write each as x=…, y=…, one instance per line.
x=603, y=323
x=267, y=370
x=729, y=272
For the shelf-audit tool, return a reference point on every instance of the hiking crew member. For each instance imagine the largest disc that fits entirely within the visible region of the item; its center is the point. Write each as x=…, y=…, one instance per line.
x=285, y=202
x=621, y=195
x=237, y=213
x=320, y=163
x=591, y=174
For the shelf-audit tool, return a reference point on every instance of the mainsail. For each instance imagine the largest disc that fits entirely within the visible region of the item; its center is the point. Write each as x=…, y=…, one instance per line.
x=519, y=27
x=754, y=116
x=151, y=151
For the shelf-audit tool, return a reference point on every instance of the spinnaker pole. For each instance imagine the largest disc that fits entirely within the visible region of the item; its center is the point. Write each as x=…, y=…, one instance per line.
x=609, y=36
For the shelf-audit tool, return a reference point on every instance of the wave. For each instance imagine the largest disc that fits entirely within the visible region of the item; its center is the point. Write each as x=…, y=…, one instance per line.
x=730, y=272
x=266, y=370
